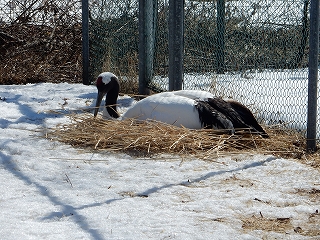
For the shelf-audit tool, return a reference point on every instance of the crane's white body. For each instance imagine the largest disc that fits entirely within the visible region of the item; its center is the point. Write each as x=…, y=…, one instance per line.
x=175, y=108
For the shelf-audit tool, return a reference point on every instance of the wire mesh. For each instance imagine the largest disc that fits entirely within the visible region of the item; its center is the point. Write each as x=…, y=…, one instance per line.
x=264, y=52
x=114, y=38
x=256, y=52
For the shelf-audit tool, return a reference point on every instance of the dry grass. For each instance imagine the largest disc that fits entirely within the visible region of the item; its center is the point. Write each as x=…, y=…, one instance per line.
x=281, y=225
x=151, y=137
x=39, y=53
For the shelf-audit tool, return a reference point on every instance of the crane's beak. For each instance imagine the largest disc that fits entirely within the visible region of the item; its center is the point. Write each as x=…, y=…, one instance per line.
x=98, y=102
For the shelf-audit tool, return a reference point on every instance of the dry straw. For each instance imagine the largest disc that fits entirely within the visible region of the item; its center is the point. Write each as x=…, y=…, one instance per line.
x=281, y=225
x=151, y=137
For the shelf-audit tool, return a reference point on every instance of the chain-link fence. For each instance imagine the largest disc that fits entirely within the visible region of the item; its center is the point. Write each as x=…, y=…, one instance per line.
x=258, y=35
x=40, y=41
x=253, y=51
x=259, y=56
x=114, y=36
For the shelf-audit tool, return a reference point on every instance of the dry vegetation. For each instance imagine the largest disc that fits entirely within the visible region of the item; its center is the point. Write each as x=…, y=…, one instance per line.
x=41, y=43
x=150, y=137
x=282, y=225
x=34, y=54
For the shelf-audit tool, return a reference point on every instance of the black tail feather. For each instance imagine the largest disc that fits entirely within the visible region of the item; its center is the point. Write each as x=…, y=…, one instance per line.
x=211, y=118
x=248, y=117
x=221, y=114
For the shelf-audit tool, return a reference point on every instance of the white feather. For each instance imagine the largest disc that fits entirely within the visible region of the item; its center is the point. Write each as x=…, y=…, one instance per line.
x=175, y=108
x=106, y=77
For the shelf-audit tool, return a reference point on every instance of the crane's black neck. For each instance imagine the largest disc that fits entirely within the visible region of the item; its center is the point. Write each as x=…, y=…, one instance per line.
x=111, y=99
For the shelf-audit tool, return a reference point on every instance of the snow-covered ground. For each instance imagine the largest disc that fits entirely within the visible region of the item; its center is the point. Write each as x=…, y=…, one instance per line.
x=52, y=191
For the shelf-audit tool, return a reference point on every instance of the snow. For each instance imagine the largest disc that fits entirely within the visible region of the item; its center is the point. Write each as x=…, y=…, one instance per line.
x=50, y=190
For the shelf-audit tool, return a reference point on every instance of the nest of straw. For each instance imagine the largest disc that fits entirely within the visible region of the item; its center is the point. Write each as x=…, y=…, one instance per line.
x=152, y=137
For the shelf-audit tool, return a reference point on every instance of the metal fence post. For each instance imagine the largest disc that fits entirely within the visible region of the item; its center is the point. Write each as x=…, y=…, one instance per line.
x=176, y=43
x=313, y=76
x=147, y=22
x=220, y=36
x=85, y=42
